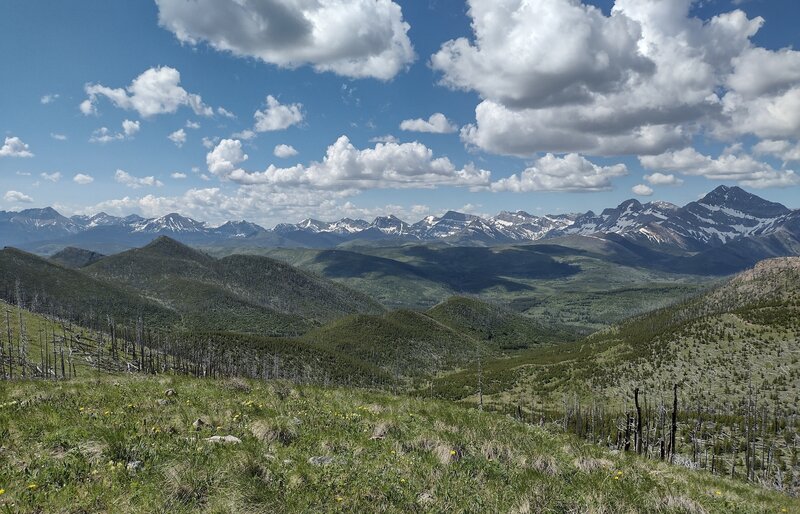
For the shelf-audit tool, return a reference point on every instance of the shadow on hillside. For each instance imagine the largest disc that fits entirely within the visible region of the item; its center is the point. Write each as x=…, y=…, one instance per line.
x=463, y=269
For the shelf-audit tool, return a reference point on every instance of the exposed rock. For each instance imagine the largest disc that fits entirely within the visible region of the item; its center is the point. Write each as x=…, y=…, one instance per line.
x=224, y=439
x=425, y=498
x=320, y=461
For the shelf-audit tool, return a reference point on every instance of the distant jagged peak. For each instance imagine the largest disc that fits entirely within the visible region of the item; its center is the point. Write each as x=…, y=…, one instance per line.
x=172, y=222
x=737, y=198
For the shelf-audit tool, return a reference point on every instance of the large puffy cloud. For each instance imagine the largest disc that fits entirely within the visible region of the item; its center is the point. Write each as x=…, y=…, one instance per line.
x=731, y=165
x=156, y=91
x=15, y=147
x=437, y=123
x=277, y=116
x=559, y=76
x=346, y=167
x=541, y=52
x=353, y=38
x=600, y=131
x=571, y=172
x=764, y=95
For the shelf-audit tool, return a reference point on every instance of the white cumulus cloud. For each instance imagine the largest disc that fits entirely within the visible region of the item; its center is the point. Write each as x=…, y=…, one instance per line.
x=178, y=137
x=354, y=38
x=572, y=172
x=437, y=123
x=155, y=91
x=17, y=197
x=642, y=190
x=731, y=165
x=277, y=116
x=345, y=167
x=562, y=76
x=129, y=127
x=104, y=135
x=785, y=150
x=125, y=178
x=15, y=147
x=82, y=179
x=661, y=179
x=284, y=151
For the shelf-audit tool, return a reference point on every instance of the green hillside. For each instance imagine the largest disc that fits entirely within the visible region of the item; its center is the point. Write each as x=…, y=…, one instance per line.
x=55, y=349
x=720, y=340
x=500, y=328
x=583, y=288
x=238, y=293
x=733, y=352
x=404, y=343
x=71, y=257
x=170, y=285
x=135, y=444
x=49, y=287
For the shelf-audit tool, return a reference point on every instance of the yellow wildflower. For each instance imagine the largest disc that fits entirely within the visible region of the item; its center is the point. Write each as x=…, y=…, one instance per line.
x=718, y=493
x=339, y=498
x=2, y=492
x=33, y=487
x=452, y=452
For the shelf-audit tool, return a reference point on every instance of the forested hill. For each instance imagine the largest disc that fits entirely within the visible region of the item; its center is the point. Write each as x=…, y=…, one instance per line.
x=170, y=285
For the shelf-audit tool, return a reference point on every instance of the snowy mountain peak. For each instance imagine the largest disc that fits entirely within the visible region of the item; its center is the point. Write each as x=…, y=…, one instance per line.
x=390, y=224
x=173, y=222
x=238, y=229
x=737, y=199
x=723, y=215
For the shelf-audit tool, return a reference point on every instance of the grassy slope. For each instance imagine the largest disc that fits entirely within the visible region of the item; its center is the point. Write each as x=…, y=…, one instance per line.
x=405, y=343
x=289, y=358
x=73, y=443
x=500, y=328
x=714, y=344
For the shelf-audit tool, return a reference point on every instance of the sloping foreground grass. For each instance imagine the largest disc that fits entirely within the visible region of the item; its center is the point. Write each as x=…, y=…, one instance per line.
x=132, y=444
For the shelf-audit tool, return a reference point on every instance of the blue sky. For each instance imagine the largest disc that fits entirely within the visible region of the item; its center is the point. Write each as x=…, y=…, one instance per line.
x=546, y=106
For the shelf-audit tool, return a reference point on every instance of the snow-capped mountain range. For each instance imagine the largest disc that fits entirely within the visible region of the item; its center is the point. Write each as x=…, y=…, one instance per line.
x=724, y=215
